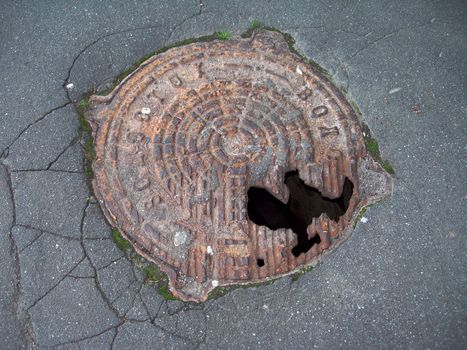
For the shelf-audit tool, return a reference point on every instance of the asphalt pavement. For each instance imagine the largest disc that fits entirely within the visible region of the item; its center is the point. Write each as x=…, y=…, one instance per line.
x=399, y=282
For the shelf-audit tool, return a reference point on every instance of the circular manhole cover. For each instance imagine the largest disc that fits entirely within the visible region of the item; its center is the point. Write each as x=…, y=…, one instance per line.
x=231, y=162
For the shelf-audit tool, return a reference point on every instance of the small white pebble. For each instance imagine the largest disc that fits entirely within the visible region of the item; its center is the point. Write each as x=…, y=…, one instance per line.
x=145, y=110
x=364, y=220
x=215, y=283
x=69, y=86
x=299, y=71
x=209, y=250
x=393, y=91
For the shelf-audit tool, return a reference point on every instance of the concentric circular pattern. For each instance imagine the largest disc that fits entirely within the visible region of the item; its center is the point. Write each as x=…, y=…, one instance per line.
x=181, y=140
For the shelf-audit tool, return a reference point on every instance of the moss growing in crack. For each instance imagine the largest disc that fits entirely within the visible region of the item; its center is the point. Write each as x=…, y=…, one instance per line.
x=387, y=166
x=84, y=126
x=254, y=24
x=164, y=292
x=355, y=107
x=89, y=149
x=223, y=35
x=121, y=242
x=81, y=106
x=88, y=171
x=372, y=147
x=223, y=290
x=343, y=89
x=219, y=292
x=154, y=276
x=129, y=70
x=85, y=135
x=151, y=273
x=300, y=273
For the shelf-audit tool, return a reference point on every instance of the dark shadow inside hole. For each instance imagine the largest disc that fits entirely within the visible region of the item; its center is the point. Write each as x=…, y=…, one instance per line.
x=260, y=262
x=304, y=204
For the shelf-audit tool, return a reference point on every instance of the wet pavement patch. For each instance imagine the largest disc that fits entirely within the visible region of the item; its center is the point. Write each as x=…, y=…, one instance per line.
x=231, y=161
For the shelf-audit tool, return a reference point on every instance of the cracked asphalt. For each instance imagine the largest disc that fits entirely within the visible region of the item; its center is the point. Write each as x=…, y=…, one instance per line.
x=399, y=282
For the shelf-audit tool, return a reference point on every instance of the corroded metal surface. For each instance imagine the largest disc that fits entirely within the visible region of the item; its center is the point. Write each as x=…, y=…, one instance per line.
x=180, y=141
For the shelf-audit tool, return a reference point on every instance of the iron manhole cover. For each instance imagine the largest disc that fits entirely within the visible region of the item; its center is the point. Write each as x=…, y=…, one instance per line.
x=231, y=162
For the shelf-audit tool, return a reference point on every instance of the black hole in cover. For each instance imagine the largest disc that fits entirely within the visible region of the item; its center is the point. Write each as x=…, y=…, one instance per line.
x=260, y=262
x=304, y=204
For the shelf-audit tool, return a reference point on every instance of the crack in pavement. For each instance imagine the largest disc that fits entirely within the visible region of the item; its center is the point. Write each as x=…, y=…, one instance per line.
x=96, y=279
x=122, y=318
x=30, y=227
x=86, y=47
x=110, y=263
x=178, y=25
x=25, y=324
x=32, y=242
x=73, y=142
x=388, y=35
x=51, y=170
x=55, y=285
x=5, y=151
x=76, y=341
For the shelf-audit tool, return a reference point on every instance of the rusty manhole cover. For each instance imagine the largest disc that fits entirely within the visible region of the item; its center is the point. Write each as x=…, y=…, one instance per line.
x=231, y=162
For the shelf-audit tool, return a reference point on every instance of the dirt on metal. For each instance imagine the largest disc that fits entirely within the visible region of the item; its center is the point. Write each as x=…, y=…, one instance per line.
x=181, y=140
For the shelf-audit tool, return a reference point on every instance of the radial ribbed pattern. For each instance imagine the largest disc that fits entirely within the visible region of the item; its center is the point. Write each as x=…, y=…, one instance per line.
x=183, y=138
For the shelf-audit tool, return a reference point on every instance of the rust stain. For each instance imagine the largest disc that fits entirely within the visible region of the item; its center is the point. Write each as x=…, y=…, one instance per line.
x=180, y=141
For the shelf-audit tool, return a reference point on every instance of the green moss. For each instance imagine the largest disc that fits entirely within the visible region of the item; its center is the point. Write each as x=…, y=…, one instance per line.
x=355, y=108
x=258, y=284
x=219, y=292
x=387, y=166
x=81, y=107
x=223, y=290
x=89, y=149
x=300, y=273
x=372, y=147
x=254, y=24
x=84, y=126
x=163, y=290
x=343, y=89
x=88, y=171
x=83, y=104
x=158, y=278
x=85, y=134
x=223, y=35
x=121, y=242
x=151, y=272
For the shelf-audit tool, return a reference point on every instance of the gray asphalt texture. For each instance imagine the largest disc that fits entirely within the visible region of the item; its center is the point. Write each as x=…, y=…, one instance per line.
x=399, y=282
